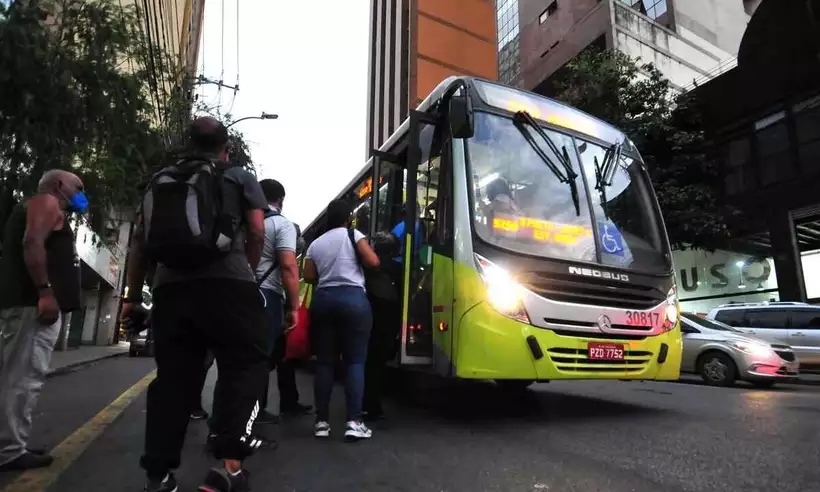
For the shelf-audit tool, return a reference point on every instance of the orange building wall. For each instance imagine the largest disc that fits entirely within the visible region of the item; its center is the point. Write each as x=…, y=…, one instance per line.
x=451, y=37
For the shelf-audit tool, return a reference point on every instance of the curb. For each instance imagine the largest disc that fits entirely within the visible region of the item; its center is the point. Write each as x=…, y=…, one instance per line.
x=76, y=366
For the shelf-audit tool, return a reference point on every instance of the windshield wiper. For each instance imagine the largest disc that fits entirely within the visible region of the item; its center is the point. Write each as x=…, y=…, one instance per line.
x=567, y=175
x=605, y=173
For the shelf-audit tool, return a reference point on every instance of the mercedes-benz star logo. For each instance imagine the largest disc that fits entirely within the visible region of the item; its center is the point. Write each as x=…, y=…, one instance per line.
x=604, y=323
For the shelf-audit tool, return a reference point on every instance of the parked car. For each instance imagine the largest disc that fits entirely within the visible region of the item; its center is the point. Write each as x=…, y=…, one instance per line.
x=721, y=354
x=793, y=323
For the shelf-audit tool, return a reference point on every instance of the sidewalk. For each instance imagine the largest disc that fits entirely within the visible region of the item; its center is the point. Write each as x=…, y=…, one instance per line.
x=65, y=361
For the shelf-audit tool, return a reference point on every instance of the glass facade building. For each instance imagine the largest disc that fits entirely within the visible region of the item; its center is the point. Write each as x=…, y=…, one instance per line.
x=509, y=46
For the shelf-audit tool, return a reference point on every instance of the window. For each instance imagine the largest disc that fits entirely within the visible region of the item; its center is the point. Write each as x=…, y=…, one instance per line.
x=807, y=120
x=767, y=318
x=732, y=317
x=706, y=323
x=774, y=153
x=650, y=8
x=550, y=10
x=687, y=327
x=809, y=318
x=740, y=175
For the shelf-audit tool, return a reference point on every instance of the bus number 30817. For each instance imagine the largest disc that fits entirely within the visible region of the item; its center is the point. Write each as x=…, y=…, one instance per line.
x=637, y=318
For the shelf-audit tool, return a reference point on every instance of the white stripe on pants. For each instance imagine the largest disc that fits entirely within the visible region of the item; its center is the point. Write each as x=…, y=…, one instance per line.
x=25, y=347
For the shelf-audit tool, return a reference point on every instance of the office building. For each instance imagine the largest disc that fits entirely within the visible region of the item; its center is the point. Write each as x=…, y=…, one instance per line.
x=414, y=45
x=687, y=40
x=763, y=117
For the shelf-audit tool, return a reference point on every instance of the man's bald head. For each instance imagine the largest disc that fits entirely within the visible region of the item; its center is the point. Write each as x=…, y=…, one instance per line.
x=56, y=179
x=208, y=134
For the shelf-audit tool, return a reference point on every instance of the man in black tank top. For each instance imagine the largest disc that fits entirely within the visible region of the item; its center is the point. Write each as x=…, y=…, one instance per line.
x=39, y=280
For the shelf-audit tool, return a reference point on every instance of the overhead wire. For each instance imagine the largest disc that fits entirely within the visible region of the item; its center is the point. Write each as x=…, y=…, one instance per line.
x=144, y=30
x=236, y=83
x=161, y=85
x=222, y=62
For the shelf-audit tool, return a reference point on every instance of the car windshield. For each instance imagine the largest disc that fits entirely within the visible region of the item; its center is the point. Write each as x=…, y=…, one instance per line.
x=708, y=323
x=522, y=205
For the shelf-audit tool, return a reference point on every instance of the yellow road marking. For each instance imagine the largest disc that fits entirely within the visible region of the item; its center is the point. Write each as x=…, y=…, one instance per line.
x=74, y=445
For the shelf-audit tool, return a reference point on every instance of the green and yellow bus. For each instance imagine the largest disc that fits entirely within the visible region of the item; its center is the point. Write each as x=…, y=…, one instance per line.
x=536, y=251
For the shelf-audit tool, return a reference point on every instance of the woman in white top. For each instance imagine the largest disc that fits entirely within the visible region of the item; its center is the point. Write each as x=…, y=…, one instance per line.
x=340, y=316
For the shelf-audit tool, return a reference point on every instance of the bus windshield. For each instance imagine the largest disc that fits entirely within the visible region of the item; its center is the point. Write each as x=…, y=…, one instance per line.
x=522, y=205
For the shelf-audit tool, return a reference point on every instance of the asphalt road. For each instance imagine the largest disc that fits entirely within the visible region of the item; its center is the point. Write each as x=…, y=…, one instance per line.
x=560, y=437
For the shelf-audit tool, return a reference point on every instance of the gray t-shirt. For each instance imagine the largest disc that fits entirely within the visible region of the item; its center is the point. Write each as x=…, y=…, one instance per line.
x=335, y=260
x=280, y=235
x=235, y=265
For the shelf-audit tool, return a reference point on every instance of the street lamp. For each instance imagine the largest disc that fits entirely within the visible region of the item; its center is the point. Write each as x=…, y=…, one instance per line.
x=263, y=116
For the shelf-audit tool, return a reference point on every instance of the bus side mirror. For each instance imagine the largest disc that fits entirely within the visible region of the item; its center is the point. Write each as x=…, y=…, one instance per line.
x=461, y=117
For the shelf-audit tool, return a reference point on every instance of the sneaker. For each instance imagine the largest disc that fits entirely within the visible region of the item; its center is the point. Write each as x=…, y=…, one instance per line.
x=296, y=410
x=27, y=461
x=199, y=414
x=219, y=480
x=169, y=484
x=356, y=431
x=321, y=429
x=265, y=417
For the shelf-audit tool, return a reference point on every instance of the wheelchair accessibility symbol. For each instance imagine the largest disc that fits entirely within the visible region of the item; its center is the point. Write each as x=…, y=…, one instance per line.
x=611, y=240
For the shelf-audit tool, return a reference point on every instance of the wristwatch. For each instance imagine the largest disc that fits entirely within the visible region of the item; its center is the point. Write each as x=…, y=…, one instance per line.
x=44, y=286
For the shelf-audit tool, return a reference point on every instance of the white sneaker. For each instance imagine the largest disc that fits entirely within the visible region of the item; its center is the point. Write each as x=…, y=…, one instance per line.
x=356, y=431
x=321, y=429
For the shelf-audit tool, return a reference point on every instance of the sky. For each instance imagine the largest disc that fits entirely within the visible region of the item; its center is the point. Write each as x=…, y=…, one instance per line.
x=306, y=62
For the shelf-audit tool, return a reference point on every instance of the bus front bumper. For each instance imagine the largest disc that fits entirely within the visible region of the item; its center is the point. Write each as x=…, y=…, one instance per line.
x=492, y=346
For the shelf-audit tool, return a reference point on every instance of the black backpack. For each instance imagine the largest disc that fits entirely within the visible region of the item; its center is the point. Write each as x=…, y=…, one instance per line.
x=188, y=215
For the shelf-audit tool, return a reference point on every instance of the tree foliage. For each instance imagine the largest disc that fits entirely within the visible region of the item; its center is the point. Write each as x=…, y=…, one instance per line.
x=83, y=89
x=666, y=129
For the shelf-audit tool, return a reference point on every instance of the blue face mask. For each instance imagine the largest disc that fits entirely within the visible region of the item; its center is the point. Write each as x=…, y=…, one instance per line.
x=78, y=203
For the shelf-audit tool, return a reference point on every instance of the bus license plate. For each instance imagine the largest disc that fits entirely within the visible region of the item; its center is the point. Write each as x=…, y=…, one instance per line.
x=606, y=351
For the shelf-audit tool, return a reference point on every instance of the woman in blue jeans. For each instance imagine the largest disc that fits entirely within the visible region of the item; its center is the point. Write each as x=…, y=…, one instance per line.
x=340, y=316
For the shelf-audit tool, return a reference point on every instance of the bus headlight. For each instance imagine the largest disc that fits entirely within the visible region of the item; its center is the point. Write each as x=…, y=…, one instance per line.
x=672, y=312
x=503, y=292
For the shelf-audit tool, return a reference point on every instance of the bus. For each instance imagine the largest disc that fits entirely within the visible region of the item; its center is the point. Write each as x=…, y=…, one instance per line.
x=536, y=249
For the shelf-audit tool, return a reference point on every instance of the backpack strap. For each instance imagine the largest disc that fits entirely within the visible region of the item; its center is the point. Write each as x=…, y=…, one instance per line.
x=275, y=262
x=352, y=237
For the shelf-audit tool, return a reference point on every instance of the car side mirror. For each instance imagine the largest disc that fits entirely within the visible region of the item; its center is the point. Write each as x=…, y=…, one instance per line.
x=461, y=117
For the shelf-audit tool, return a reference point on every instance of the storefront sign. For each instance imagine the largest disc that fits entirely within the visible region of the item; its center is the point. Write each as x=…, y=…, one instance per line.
x=721, y=273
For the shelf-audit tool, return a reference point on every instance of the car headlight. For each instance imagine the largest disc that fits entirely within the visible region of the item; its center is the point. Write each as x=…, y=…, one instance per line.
x=751, y=348
x=672, y=312
x=504, y=294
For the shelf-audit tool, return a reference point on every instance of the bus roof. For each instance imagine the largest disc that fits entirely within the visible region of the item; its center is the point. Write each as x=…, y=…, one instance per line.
x=567, y=117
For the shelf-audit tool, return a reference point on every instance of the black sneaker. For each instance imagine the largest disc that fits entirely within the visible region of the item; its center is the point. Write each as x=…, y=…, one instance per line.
x=265, y=417
x=199, y=414
x=169, y=484
x=296, y=410
x=219, y=480
x=27, y=461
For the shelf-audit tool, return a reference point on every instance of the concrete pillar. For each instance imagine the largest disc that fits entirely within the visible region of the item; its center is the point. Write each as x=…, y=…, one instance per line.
x=786, y=254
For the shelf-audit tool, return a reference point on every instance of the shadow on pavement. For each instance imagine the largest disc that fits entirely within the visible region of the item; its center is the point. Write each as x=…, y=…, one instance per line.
x=469, y=403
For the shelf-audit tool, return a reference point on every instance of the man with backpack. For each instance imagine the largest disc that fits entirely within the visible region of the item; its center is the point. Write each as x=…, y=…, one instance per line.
x=278, y=277
x=202, y=222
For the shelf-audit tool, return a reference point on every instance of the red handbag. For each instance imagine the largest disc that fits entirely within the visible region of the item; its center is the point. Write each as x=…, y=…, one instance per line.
x=298, y=340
